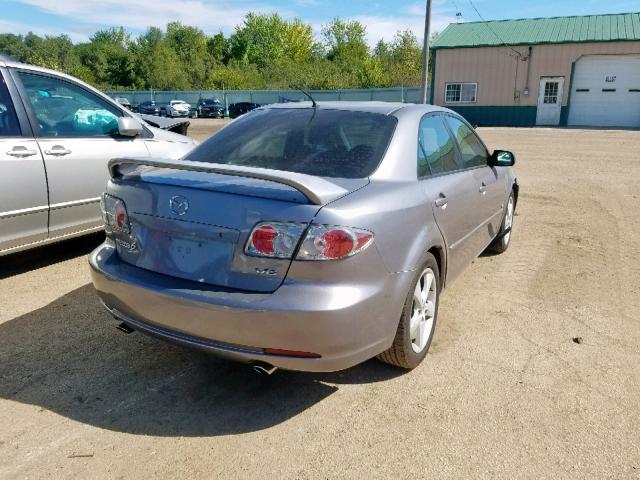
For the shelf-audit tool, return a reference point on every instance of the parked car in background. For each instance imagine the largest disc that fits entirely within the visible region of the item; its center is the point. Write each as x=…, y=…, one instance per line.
x=210, y=108
x=176, y=108
x=57, y=135
x=148, y=107
x=334, y=230
x=240, y=108
x=124, y=102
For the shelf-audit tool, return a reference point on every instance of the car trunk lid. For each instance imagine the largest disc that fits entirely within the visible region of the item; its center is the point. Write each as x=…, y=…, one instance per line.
x=192, y=221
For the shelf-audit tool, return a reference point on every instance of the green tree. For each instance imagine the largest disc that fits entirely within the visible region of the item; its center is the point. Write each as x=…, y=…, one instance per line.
x=406, y=59
x=157, y=64
x=108, y=58
x=191, y=46
x=264, y=40
x=219, y=48
x=345, y=41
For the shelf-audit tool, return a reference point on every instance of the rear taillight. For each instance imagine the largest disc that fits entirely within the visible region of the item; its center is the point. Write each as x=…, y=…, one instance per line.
x=274, y=239
x=322, y=242
x=114, y=213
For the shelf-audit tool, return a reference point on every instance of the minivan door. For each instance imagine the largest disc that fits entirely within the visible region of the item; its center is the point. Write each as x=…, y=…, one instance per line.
x=24, y=207
x=77, y=134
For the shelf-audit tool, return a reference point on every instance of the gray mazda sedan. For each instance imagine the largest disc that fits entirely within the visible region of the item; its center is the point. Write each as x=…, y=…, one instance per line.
x=303, y=236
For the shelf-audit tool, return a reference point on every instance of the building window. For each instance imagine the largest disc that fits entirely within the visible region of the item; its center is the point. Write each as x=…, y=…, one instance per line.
x=551, y=92
x=460, y=92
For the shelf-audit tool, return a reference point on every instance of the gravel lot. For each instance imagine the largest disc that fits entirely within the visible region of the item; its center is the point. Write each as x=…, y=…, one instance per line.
x=534, y=371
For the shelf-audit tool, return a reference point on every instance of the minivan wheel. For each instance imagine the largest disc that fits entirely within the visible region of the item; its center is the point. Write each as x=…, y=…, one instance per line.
x=418, y=322
x=501, y=243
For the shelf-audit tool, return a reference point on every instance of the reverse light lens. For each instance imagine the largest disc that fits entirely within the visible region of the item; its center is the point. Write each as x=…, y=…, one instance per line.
x=274, y=239
x=325, y=242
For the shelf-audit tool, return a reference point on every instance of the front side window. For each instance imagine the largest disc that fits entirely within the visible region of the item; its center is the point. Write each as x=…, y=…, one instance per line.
x=460, y=92
x=471, y=148
x=63, y=109
x=326, y=143
x=9, y=126
x=436, y=151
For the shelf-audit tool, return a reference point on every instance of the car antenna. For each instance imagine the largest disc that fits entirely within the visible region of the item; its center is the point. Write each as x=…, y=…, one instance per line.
x=307, y=94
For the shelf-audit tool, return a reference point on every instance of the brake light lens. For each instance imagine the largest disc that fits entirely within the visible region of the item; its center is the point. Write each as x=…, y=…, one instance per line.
x=326, y=242
x=114, y=214
x=274, y=239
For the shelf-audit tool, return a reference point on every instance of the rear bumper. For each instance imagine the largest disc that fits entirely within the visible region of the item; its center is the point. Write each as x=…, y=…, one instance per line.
x=345, y=324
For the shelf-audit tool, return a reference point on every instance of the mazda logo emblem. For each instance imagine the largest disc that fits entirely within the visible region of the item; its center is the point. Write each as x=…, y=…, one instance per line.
x=179, y=205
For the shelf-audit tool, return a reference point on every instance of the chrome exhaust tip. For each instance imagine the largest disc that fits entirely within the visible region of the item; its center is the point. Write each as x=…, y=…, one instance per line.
x=263, y=368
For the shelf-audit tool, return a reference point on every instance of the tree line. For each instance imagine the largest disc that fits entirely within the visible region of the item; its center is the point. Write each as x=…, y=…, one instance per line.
x=264, y=51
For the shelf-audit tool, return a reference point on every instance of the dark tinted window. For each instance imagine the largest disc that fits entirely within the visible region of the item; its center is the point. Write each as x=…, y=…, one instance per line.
x=9, y=126
x=473, y=152
x=328, y=143
x=67, y=110
x=436, y=151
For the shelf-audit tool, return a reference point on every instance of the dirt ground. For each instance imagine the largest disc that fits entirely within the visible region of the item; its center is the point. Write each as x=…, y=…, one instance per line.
x=534, y=371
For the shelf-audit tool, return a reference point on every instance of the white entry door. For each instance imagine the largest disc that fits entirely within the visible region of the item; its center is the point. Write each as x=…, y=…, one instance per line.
x=550, y=100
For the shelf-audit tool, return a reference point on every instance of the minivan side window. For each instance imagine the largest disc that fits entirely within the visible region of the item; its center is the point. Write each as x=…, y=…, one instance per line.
x=436, y=150
x=471, y=148
x=9, y=126
x=63, y=109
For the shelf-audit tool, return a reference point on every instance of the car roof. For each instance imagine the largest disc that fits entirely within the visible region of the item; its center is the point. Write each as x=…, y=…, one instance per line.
x=384, y=108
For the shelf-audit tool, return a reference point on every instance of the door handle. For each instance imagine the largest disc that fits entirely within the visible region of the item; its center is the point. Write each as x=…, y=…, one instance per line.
x=21, y=152
x=57, y=151
x=483, y=188
x=441, y=201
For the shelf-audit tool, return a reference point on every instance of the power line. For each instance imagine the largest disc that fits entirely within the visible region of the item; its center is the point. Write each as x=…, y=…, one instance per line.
x=486, y=24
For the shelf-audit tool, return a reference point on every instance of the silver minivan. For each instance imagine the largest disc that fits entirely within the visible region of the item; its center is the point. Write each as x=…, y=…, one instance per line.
x=56, y=136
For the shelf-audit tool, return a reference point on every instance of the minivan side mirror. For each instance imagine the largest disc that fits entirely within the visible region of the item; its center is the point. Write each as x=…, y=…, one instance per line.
x=129, y=127
x=502, y=158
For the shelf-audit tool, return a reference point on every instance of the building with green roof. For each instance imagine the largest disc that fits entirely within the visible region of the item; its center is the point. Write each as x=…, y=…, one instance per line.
x=581, y=71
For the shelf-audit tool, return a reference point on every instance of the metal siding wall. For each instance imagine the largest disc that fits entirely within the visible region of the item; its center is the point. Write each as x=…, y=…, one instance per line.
x=494, y=69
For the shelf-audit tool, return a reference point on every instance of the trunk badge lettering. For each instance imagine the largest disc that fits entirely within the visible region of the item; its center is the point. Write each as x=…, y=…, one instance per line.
x=179, y=204
x=266, y=271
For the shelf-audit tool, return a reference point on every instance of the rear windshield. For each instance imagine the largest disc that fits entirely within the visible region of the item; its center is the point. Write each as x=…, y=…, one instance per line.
x=326, y=143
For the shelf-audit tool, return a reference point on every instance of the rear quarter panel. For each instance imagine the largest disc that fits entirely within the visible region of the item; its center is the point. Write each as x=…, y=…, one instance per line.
x=399, y=216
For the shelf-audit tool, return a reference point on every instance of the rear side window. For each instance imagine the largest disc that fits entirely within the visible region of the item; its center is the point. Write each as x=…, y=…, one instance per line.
x=326, y=143
x=471, y=148
x=67, y=110
x=436, y=151
x=9, y=126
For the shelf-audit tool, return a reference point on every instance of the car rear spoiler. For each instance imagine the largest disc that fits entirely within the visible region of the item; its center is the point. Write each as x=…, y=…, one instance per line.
x=318, y=190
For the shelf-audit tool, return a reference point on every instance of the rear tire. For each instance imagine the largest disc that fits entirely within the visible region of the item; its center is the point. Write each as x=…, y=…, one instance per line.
x=503, y=240
x=418, y=322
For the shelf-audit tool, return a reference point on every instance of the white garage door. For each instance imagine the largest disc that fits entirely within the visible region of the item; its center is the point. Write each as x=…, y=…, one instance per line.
x=605, y=91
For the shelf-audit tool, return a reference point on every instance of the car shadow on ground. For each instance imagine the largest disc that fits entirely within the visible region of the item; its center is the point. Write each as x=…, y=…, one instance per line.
x=23, y=262
x=67, y=357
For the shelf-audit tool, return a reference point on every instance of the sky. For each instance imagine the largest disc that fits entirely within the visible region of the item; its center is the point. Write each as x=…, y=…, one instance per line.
x=382, y=18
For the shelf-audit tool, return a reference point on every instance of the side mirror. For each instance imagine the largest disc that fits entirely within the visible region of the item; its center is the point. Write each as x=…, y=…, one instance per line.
x=502, y=158
x=129, y=127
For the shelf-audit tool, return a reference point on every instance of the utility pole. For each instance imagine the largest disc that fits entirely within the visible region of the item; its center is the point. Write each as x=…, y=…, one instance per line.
x=425, y=54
